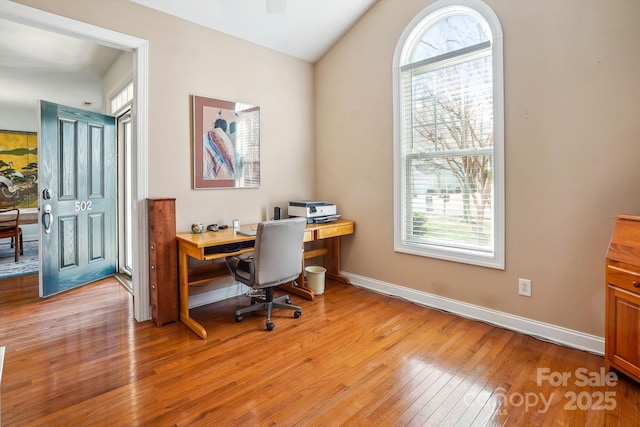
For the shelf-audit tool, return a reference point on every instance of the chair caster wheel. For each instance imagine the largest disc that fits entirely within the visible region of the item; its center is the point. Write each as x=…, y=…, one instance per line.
x=297, y=314
x=239, y=318
x=288, y=301
x=270, y=326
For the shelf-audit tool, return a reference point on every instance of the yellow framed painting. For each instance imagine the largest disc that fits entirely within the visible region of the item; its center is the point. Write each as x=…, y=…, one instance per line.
x=18, y=169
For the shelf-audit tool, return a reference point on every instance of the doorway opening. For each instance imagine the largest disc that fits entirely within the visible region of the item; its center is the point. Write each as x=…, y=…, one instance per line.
x=139, y=126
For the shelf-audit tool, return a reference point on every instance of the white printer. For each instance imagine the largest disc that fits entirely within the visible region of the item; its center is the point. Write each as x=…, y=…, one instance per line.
x=315, y=211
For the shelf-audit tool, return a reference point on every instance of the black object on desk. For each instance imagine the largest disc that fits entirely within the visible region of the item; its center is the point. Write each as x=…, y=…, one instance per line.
x=228, y=248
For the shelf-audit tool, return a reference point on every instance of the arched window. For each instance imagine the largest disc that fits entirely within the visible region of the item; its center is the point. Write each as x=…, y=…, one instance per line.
x=449, y=135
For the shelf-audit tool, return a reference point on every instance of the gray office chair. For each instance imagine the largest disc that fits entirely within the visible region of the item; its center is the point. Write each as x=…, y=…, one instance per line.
x=277, y=259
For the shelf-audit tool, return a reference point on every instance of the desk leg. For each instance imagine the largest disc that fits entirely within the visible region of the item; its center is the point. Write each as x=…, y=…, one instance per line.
x=298, y=290
x=301, y=288
x=331, y=257
x=183, y=265
x=332, y=260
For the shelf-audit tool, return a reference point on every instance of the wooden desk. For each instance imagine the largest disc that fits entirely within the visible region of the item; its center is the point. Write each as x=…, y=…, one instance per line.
x=218, y=245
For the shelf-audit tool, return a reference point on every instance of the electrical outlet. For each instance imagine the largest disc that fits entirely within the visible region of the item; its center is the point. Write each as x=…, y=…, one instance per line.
x=524, y=287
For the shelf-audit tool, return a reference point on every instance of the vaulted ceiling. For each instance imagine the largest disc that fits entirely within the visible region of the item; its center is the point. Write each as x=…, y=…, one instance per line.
x=305, y=29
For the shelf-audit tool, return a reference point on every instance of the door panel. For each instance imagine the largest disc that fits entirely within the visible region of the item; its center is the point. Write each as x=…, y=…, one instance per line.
x=77, y=152
x=97, y=237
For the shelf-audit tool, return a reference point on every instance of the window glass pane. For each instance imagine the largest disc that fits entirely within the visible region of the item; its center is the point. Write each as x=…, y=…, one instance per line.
x=451, y=108
x=245, y=135
x=450, y=206
x=448, y=146
x=122, y=98
x=128, y=208
x=450, y=34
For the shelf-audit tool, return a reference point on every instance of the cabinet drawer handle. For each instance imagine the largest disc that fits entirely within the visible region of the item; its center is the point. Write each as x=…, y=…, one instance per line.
x=636, y=284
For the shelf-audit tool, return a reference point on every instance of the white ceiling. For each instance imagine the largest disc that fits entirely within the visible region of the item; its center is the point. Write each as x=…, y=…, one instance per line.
x=305, y=29
x=39, y=64
x=22, y=46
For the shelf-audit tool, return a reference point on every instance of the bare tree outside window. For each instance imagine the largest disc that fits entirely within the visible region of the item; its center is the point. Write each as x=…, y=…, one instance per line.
x=453, y=139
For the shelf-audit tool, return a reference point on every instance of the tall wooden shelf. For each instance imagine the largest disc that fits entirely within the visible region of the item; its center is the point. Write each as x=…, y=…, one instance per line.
x=163, y=260
x=622, y=321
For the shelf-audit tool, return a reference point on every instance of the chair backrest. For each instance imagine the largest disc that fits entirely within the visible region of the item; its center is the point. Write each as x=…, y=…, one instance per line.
x=9, y=218
x=277, y=255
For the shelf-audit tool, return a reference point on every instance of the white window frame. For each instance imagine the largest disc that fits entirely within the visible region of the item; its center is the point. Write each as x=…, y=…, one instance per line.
x=125, y=183
x=409, y=37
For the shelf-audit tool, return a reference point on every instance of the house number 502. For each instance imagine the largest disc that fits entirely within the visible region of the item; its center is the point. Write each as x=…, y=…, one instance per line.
x=83, y=206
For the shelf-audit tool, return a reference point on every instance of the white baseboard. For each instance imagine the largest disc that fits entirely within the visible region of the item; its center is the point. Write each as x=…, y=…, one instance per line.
x=544, y=331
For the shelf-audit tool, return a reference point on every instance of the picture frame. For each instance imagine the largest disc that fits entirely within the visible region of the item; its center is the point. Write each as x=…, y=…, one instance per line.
x=18, y=169
x=226, y=144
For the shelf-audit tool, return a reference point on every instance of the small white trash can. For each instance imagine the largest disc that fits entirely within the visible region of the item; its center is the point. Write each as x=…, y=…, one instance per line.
x=315, y=279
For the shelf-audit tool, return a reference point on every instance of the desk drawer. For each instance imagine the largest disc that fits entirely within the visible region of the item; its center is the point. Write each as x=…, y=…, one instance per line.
x=338, y=230
x=624, y=276
x=308, y=236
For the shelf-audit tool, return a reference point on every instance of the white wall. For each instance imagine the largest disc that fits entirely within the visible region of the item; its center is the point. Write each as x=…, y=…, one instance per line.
x=114, y=80
x=25, y=118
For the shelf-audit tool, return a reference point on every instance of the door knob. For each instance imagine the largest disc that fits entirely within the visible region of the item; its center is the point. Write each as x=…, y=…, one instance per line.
x=47, y=218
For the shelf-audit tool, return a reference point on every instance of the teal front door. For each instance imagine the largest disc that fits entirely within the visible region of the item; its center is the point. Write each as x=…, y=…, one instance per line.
x=77, y=184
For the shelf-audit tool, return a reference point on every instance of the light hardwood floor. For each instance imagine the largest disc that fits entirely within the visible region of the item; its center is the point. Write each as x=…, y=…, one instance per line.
x=354, y=358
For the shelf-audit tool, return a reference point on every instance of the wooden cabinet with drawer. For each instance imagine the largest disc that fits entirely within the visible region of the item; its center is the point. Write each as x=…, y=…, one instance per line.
x=622, y=321
x=163, y=260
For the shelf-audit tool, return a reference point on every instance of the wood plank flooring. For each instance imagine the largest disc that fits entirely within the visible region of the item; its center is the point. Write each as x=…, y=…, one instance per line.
x=354, y=358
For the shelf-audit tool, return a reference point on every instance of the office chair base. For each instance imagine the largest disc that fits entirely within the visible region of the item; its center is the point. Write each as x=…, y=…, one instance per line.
x=257, y=304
